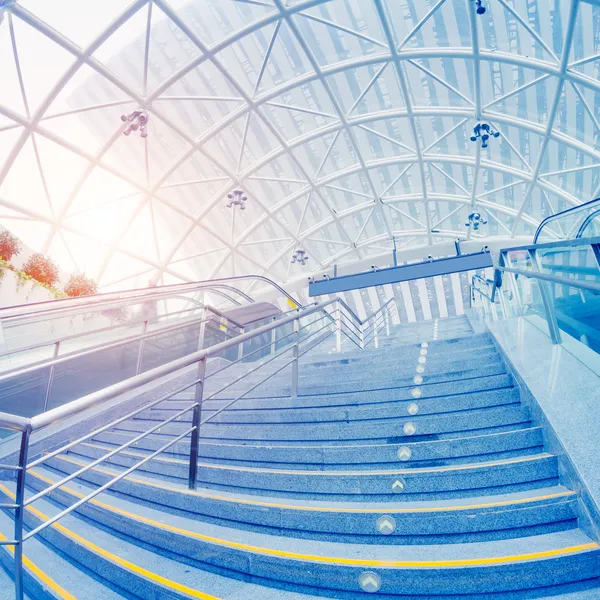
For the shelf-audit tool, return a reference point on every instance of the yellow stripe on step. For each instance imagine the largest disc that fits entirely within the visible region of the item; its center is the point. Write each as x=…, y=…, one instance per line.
x=417, y=470
x=168, y=583
x=332, y=559
x=387, y=510
x=45, y=579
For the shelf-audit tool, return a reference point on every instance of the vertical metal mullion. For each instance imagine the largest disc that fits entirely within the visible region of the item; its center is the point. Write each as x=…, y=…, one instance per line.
x=19, y=512
x=196, y=419
x=338, y=327
x=138, y=366
x=294, y=390
x=51, y=376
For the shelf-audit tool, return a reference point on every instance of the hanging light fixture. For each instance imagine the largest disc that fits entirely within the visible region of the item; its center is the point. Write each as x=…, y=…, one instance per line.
x=483, y=132
x=475, y=221
x=138, y=119
x=237, y=198
x=480, y=9
x=299, y=256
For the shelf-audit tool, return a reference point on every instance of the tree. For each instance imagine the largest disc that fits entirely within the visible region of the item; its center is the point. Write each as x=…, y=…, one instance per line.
x=41, y=268
x=80, y=285
x=9, y=245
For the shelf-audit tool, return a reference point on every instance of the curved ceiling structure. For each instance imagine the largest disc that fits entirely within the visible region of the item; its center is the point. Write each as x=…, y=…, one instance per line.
x=347, y=124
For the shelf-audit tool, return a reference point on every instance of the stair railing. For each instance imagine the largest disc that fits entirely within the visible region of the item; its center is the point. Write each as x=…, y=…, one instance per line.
x=310, y=327
x=526, y=279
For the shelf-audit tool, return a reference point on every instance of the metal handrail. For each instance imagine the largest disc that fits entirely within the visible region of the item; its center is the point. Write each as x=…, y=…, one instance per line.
x=197, y=359
x=557, y=216
x=74, y=336
x=504, y=266
x=101, y=299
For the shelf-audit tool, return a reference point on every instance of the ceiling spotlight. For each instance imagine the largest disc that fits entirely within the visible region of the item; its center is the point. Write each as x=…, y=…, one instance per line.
x=480, y=8
x=299, y=256
x=483, y=132
x=138, y=119
x=475, y=220
x=237, y=198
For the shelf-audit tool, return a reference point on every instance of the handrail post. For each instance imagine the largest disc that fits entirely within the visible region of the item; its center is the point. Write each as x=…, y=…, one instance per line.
x=51, y=376
x=294, y=390
x=19, y=512
x=376, y=332
x=273, y=338
x=196, y=419
x=138, y=366
x=338, y=327
x=240, y=352
x=547, y=301
x=362, y=336
x=387, y=317
x=202, y=329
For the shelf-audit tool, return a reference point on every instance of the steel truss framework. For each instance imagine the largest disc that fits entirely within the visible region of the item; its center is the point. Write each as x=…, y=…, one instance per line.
x=347, y=124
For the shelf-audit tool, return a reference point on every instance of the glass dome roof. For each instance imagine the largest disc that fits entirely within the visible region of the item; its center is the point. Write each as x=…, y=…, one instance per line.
x=347, y=124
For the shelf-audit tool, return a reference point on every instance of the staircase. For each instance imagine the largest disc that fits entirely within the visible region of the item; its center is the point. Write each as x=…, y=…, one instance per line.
x=408, y=471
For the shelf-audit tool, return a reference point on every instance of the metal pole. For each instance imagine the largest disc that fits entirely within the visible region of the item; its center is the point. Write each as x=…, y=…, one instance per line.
x=338, y=327
x=376, y=335
x=202, y=329
x=138, y=366
x=362, y=337
x=513, y=285
x=294, y=393
x=51, y=376
x=387, y=317
x=273, y=338
x=19, y=512
x=240, y=353
x=547, y=301
x=196, y=419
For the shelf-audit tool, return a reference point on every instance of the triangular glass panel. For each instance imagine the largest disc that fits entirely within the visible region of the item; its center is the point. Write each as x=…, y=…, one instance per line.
x=11, y=96
x=127, y=154
x=169, y=48
x=259, y=141
x=24, y=185
x=270, y=57
x=140, y=238
x=8, y=139
x=196, y=114
x=104, y=222
x=356, y=93
x=63, y=255
x=327, y=155
x=383, y=139
x=284, y=167
x=446, y=135
x=334, y=33
x=42, y=62
x=571, y=172
x=88, y=110
x=341, y=198
x=419, y=26
x=440, y=82
x=395, y=180
x=81, y=26
x=212, y=22
x=580, y=101
x=99, y=188
x=125, y=50
x=165, y=146
x=89, y=252
x=531, y=98
x=62, y=170
x=198, y=166
x=521, y=31
x=194, y=197
x=121, y=266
